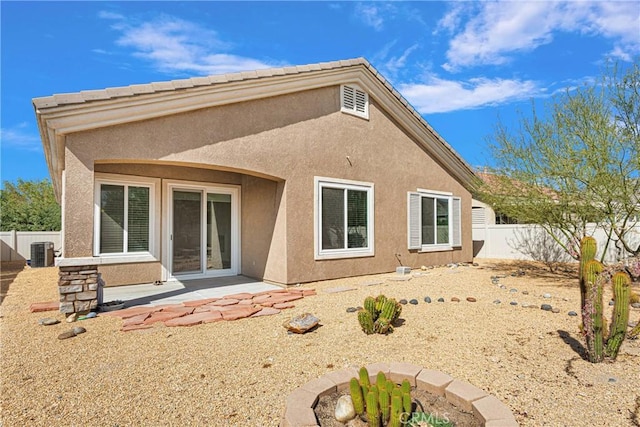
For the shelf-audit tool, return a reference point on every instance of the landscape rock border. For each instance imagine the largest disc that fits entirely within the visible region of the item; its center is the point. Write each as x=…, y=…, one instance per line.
x=301, y=402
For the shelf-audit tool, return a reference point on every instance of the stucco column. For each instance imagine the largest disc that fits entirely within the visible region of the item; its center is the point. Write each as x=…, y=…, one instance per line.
x=78, y=207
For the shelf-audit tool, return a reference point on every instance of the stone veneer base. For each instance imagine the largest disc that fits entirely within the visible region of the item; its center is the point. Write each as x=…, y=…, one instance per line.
x=300, y=404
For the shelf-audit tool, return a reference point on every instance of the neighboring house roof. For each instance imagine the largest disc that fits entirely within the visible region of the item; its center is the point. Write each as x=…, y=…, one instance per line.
x=63, y=114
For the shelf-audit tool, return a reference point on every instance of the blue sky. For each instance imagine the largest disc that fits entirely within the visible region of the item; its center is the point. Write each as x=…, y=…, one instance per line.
x=460, y=64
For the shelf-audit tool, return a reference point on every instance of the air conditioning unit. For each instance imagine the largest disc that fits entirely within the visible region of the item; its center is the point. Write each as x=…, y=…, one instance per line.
x=41, y=254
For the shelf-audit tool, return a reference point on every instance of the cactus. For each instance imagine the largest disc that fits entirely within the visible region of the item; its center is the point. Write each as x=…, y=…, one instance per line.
x=370, y=306
x=390, y=386
x=385, y=391
x=592, y=311
x=406, y=402
x=588, y=247
x=356, y=396
x=364, y=377
x=621, y=287
x=406, y=386
x=380, y=300
x=382, y=326
x=385, y=405
x=396, y=411
x=381, y=381
x=366, y=321
x=364, y=381
x=373, y=411
x=382, y=312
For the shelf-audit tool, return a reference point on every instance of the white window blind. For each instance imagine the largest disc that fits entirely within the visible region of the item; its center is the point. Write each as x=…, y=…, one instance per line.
x=124, y=223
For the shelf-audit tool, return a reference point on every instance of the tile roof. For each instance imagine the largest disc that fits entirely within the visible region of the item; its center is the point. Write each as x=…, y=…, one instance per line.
x=174, y=85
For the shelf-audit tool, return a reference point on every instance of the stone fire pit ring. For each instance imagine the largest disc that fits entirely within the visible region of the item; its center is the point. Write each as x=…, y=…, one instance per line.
x=300, y=404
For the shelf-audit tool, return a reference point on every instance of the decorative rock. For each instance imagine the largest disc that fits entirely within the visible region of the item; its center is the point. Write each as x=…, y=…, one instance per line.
x=67, y=334
x=513, y=290
x=423, y=268
x=546, y=307
x=525, y=292
x=72, y=318
x=455, y=299
x=403, y=301
x=413, y=301
x=427, y=300
x=555, y=310
x=351, y=310
x=546, y=296
x=612, y=302
x=47, y=321
x=471, y=299
x=635, y=305
x=573, y=313
x=344, y=409
x=301, y=323
x=513, y=303
x=496, y=301
x=503, y=287
x=440, y=299
x=79, y=330
x=524, y=305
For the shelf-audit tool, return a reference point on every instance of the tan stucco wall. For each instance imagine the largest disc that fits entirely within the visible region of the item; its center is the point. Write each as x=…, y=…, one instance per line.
x=290, y=139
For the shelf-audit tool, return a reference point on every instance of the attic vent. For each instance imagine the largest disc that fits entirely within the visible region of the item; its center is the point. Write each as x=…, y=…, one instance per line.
x=354, y=101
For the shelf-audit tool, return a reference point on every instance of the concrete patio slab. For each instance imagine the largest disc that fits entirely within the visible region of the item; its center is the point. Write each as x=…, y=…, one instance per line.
x=177, y=292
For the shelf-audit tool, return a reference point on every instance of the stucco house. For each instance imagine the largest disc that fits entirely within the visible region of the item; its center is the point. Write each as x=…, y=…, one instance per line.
x=288, y=175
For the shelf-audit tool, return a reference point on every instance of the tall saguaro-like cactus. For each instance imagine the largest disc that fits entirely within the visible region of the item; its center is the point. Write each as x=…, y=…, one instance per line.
x=591, y=288
x=621, y=290
x=592, y=311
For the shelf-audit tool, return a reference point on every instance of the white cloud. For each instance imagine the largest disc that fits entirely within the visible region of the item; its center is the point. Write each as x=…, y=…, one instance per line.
x=500, y=29
x=395, y=64
x=370, y=14
x=174, y=45
x=441, y=96
x=19, y=137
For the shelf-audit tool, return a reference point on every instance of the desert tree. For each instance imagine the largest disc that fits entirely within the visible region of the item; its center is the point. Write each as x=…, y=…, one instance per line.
x=575, y=163
x=29, y=206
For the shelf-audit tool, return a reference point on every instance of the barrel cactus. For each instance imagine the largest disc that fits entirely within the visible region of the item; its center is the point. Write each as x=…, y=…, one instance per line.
x=366, y=321
x=379, y=314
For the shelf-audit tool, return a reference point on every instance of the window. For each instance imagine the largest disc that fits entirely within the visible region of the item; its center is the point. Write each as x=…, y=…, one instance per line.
x=434, y=221
x=354, y=101
x=124, y=217
x=344, y=218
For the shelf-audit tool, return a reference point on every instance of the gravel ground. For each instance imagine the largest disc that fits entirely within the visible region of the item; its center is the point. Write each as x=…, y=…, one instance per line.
x=239, y=373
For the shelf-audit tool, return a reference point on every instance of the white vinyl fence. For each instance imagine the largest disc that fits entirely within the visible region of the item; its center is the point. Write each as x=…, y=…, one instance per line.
x=16, y=245
x=530, y=242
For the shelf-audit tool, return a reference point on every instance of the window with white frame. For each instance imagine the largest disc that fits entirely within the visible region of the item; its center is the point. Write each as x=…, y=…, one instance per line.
x=354, y=101
x=344, y=218
x=434, y=221
x=124, y=217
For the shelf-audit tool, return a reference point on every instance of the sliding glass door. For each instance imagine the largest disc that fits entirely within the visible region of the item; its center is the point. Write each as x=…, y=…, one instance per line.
x=204, y=231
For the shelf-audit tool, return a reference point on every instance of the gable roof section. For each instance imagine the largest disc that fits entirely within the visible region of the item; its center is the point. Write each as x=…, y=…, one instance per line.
x=63, y=114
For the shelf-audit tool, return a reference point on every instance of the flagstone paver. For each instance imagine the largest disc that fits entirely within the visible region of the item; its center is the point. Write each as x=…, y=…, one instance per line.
x=283, y=305
x=208, y=310
x=194, y=319
x=199, y=302
x=239, y=313
x=266, y=311
x=37, y=307
x=162, y=316
x=225, y=301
